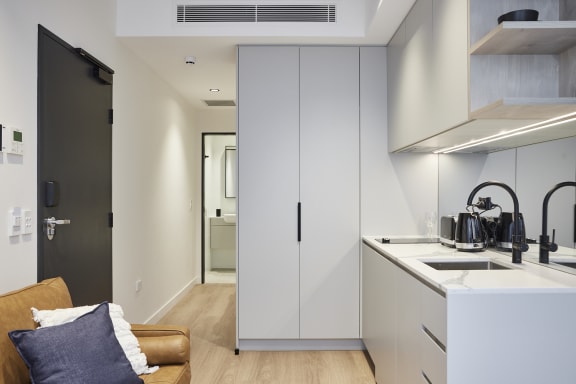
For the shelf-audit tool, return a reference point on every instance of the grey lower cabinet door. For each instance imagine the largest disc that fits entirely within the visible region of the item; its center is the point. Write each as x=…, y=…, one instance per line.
x=298, y=193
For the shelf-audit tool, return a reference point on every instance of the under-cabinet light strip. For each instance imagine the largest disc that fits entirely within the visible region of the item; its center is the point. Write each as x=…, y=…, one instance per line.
x=518, y=131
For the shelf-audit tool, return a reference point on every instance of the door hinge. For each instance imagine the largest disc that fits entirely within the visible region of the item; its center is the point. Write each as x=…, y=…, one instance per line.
x=110, y=116
x=111, y=219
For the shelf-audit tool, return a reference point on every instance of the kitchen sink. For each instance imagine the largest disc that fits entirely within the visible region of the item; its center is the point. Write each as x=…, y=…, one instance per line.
x=464, y=265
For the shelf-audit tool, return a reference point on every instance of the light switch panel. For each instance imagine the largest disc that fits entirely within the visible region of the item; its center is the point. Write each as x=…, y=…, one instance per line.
x=27, y=222
x=14, y=222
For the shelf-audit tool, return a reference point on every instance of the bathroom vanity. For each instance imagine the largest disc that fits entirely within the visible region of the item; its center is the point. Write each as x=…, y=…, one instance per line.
x=431, y=314
x=223, y=242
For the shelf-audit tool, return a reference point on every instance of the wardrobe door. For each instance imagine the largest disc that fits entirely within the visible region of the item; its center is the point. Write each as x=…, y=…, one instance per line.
x=268, y=251
x=329, y=192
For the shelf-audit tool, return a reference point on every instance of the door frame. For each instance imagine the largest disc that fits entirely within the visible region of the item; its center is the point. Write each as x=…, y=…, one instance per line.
x=203, y=203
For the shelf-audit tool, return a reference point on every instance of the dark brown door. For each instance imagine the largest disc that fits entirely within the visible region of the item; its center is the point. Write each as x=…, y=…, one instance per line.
x=74, y=169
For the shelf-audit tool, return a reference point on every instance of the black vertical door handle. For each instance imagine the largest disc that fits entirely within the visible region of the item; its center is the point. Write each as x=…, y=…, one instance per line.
x=299, y=221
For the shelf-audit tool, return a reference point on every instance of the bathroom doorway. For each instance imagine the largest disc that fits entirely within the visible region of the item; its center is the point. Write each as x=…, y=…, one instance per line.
x=219, y=174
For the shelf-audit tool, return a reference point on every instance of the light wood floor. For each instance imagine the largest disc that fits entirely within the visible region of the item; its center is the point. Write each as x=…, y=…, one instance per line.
x=209, y=311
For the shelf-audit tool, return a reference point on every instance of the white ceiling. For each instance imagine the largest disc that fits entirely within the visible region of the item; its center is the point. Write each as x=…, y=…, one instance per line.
x=216, y=55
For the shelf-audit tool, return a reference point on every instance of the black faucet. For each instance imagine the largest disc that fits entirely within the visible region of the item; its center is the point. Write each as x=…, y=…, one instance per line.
x=545, y=245
x=518, y=245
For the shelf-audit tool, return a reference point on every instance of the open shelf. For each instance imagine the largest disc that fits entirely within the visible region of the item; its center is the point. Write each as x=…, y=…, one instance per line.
x=527, y=38
x=527, y=108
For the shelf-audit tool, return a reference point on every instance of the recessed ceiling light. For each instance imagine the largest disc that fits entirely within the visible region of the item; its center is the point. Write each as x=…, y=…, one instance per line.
x=214, y=90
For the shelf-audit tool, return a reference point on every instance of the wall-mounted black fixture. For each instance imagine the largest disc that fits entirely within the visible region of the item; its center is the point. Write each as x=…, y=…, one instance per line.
x=51, y=193
x=545, y=245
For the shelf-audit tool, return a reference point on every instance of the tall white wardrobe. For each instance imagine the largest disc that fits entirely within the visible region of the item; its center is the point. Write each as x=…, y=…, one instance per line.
x=298, y=195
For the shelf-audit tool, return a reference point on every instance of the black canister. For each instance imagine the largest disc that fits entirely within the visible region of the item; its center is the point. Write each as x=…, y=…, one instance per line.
x=470, y=235
x=505, y=231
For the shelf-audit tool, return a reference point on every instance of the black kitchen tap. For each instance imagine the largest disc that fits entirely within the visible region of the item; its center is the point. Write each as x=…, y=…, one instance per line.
x=518, y=245
x=545, y=245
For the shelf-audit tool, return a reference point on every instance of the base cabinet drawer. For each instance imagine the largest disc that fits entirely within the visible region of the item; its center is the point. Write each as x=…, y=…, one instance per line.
x=434, y=314
x=433, y=360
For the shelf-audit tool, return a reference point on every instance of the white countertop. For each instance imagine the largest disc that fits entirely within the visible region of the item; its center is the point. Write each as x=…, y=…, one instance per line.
x=529, y=276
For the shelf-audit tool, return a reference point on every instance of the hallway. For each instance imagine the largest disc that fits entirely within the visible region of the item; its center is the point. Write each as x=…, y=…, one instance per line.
x=209, y=311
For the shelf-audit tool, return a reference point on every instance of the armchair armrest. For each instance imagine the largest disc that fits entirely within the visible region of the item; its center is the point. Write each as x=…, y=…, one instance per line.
x=153, y=330
x=163, y=344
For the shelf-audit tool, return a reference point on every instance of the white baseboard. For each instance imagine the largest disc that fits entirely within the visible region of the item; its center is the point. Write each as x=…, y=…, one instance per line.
x=171, y=303
x=301, y=345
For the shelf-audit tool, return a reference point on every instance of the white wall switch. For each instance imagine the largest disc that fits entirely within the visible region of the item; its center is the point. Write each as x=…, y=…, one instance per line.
x=14, y=222
x=27, y=227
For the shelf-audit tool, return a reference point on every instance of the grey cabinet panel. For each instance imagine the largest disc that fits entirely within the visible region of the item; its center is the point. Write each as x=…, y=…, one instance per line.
x=329, y=192
x=268, y=252
x=298, y=141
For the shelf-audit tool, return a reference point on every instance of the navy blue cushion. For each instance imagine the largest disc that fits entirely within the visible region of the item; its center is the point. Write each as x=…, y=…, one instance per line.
x=83, y=351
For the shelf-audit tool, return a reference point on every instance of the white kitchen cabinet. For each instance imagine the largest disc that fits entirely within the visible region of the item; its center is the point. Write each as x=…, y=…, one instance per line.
x=268, y=192
x=403, y=323
x=379, y=298
x=396, y=309
x=427, y=72
x=298, y=142
x=408, y=328
x=480, y=78
x=500, y=327
x=329, y=192
x=433, y=336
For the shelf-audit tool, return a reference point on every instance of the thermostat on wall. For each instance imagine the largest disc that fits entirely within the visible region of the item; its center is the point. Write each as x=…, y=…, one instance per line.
x=12, y=141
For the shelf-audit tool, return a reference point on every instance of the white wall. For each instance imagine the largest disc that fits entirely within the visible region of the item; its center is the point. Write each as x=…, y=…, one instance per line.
x=155, y=156
x=154, y=192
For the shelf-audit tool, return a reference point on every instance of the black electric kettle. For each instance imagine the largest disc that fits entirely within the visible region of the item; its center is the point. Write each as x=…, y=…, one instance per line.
x=505, y=231
x=470, y=234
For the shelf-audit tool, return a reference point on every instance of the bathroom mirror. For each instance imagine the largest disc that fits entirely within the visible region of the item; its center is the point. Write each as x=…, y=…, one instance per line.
x=230, y=172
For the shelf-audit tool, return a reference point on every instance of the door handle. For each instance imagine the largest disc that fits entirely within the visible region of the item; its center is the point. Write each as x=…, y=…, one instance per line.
x=54, y=221
x=299, y=229
x=50, y=226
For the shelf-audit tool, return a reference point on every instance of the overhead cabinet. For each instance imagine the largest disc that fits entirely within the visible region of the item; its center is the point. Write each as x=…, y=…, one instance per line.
x=469, y=77
x=298, y=193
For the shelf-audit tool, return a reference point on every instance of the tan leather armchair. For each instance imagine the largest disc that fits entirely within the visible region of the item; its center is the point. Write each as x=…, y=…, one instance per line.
x=164, y=345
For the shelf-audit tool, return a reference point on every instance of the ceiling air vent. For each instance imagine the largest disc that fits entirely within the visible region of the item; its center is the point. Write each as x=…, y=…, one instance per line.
x=216, y=13
x=220, y=103
x=257, y=13
x=323, y=13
